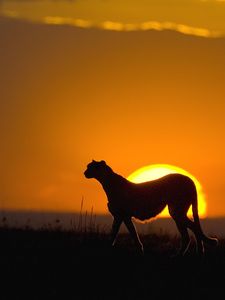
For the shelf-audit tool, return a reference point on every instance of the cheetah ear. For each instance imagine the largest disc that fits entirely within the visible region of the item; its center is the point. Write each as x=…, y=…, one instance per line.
x=103, y=162
x=93, y=160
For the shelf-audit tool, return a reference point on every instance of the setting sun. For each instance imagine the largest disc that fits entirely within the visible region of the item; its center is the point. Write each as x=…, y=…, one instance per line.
x=152, y=172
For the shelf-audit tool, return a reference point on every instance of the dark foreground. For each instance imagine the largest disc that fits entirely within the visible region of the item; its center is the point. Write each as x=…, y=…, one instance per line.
x=51, y=264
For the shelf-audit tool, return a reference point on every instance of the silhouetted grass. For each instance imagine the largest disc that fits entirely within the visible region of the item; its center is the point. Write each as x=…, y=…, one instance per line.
x=54, y=263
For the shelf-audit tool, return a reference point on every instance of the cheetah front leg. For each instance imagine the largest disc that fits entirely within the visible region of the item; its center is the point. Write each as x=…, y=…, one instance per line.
x=115, y=229
x=131, y=228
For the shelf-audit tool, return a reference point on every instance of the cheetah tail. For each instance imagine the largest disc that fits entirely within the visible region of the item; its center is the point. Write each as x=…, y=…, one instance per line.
x=206, y=239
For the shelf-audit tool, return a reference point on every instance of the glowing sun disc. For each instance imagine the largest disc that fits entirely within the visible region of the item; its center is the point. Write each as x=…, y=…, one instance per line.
x=152, y=172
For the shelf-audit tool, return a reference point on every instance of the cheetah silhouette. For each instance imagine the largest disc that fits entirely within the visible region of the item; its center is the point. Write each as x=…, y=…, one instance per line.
x=146, y=200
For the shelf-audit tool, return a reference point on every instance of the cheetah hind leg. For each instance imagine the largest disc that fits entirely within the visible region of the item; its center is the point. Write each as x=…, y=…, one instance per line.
x=198, y=236
x=185, y=239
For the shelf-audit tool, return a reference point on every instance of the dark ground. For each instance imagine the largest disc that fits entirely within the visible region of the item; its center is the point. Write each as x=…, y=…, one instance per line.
x=50, y=264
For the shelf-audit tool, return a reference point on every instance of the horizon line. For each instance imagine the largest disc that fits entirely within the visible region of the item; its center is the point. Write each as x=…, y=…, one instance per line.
x=77, y=212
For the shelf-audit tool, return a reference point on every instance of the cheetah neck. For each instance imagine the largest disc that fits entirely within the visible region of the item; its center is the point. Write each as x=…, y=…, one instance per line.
x=113, y=184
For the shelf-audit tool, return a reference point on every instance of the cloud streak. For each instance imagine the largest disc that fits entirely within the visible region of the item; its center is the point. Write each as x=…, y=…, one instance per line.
x=203, y=18
x=144, y=26
x=120, y=26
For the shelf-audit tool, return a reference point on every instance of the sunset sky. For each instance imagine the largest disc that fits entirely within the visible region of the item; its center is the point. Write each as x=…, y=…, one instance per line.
x=134, y=83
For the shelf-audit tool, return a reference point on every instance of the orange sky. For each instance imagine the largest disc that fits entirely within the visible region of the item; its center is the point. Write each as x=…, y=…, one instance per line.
x=132, y=98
